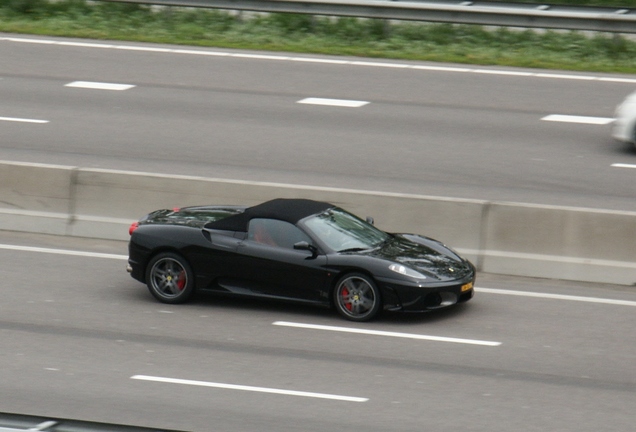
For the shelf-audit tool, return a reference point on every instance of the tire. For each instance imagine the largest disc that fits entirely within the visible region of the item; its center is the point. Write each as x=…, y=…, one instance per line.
x=357, y=298
x=170, y=278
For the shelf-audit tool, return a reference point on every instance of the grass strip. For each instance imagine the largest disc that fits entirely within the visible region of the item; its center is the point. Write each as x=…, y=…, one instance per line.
x=567, y=50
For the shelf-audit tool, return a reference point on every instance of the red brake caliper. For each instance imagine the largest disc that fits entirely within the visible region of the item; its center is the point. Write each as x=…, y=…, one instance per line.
x=181, y=281
x=345, y=294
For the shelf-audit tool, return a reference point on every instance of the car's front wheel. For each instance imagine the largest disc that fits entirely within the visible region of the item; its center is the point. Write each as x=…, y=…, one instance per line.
x=169, y=278
x=357, y=297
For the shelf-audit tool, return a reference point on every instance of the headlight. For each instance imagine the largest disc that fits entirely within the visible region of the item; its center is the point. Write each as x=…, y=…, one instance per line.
x=406, y=271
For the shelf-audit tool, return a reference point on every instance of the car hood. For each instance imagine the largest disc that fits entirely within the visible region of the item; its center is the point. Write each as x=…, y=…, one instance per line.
x=427, y=256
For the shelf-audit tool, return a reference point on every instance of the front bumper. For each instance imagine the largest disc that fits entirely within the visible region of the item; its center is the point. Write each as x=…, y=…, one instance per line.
x=427, y=298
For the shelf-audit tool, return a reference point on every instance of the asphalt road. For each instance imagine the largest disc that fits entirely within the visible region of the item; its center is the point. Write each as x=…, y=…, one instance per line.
x=441, y=130
x=83, y=340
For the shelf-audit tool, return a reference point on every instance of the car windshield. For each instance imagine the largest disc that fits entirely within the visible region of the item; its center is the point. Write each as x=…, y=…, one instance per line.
x=342, y=231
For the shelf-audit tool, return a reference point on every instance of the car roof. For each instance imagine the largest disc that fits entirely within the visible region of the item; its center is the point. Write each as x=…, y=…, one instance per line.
x=286, y=209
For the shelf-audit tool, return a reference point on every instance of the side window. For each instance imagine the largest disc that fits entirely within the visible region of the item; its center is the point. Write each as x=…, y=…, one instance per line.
x=276, y=233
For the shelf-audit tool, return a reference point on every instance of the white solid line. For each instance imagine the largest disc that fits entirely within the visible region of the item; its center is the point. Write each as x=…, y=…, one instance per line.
x=502, y=72
x=620, y=165
x=139, y=48
x=350, y=330
x=379, y=64
x=553, y=258
x=99, y=85
x=35, y=41
x=260, y=56
x=333, y=102
x=385, y=333
x=578, y=119
x=249, y=388
x=36, y=165
x=246, y=182
x=319, y=60
x=442, y=69
x=85, y=45
x=23, y=120
x=195, y=52
x=561, y=76
x=62, y=252
x=557, y=296
x=618, y=80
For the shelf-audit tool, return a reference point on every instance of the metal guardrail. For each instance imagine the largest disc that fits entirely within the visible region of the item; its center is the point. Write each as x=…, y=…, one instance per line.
x=600, y=19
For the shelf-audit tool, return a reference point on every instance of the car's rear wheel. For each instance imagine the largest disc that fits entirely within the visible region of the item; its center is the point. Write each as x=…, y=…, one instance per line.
x=169, y=278
x=357, y=297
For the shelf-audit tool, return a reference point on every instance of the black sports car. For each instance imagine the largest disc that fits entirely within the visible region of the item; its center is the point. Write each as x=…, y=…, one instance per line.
x=295, y=249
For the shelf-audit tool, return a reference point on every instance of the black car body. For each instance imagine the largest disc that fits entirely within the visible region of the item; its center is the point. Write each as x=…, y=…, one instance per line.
x=295, y=249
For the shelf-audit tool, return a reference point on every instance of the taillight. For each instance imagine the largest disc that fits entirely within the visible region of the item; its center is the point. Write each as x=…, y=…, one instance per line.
x=133, y=227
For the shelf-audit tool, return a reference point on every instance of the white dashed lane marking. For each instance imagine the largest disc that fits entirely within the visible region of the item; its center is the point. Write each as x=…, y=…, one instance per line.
x=249, y=388
x=333, y=102
x=385, y=333
x=578, y=119
x=99, y=85
x=621, y=165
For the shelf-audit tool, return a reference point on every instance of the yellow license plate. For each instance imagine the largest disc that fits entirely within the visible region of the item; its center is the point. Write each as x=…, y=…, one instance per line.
x=467, y=286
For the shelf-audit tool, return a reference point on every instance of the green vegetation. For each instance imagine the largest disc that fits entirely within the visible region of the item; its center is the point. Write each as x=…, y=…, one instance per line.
x=603, y=3
x=324, y=35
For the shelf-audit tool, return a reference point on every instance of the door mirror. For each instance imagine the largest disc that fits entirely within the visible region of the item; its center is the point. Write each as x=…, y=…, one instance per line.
x=303, y=245
x=370, y=220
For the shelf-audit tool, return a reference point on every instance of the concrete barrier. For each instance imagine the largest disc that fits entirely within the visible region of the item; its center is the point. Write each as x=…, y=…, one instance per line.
x=560, y=242
x=505, y=238
x=35, y=197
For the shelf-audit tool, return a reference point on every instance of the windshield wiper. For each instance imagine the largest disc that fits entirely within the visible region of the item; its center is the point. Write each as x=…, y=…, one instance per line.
x=355, y=249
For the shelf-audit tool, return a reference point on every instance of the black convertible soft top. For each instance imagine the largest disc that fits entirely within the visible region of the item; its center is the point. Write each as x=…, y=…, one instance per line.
x=289, y=210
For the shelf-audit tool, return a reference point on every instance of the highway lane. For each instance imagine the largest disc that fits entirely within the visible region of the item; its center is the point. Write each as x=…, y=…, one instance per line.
x=445, y=130
x=76, y=329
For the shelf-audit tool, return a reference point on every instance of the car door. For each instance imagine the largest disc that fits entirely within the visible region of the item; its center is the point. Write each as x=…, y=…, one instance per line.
x=272, y=267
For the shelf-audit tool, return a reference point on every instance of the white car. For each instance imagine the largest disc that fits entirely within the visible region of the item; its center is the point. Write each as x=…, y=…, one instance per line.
x=624, y=128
